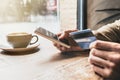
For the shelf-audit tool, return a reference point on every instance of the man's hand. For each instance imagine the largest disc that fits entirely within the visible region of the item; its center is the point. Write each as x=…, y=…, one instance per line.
x=65, y=38
x=105, y=58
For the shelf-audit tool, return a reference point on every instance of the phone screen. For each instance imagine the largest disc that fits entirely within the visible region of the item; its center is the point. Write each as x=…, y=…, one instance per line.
x=47, y=33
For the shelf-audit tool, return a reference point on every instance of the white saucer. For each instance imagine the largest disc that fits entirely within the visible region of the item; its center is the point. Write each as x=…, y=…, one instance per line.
x=9, y=49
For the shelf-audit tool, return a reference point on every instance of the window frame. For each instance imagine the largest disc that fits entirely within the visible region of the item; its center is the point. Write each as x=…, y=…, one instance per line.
x=81, y=14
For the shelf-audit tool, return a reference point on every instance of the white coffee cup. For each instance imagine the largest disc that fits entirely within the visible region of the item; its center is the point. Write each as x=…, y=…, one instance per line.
x=21, y=39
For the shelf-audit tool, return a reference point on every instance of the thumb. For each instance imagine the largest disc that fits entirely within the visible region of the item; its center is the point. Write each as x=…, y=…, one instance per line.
x=105, y=45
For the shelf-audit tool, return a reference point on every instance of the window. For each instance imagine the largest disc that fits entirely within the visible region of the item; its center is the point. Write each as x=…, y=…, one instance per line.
x=35, y=12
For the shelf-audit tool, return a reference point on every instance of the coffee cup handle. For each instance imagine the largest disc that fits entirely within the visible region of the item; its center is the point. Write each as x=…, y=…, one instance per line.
x=35, y=40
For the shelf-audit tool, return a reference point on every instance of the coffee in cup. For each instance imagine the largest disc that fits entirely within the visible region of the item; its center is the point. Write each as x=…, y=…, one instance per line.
x=21, y=39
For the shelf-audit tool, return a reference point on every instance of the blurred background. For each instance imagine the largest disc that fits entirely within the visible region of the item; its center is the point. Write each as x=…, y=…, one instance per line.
x=27, y=10
x=27, y=15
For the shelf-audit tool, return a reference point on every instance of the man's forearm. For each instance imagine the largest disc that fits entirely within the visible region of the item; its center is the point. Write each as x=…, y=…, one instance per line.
x=109, y=32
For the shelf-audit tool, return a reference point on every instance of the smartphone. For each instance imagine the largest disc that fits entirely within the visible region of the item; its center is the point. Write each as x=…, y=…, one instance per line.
x=50, y=36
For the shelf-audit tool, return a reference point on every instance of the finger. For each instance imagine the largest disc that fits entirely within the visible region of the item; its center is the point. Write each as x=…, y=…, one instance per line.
x=105, y=73
x=69, y=31
x=100, y=45
x=99, y=61
x=100, y=53
x=55, y=44
x=58, y=34
x=62, y=48
x=72, y=48
x=65, y=34
x=100, y=71
x=107, y=55
x=75, y=48
x=58, y=46
x=104, y=45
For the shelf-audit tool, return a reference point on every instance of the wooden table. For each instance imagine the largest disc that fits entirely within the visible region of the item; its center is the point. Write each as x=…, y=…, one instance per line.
x=45, y=63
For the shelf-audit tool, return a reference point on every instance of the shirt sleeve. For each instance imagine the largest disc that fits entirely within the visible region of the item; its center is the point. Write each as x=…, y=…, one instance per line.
x=109, y=32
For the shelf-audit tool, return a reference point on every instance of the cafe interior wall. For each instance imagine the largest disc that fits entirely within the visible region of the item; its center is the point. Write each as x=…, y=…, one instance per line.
x=68, y=19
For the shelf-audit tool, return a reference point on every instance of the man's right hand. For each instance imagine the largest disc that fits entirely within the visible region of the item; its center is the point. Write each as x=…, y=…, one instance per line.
x=64, y=37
